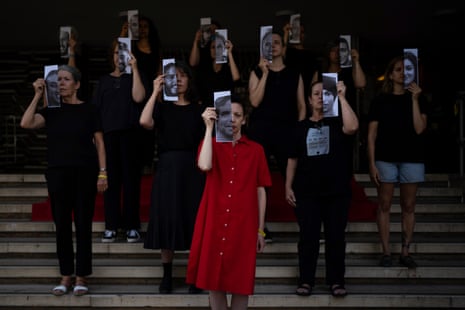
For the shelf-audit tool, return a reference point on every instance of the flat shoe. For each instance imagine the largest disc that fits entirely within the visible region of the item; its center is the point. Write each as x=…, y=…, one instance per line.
x=407, y=261
x=338, y=290
x=60, y=290
x=303, y=290
x=80, y=290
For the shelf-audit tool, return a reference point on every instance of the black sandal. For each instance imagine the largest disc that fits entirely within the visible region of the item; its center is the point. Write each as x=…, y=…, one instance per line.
x=303, y=290
x=338, y=290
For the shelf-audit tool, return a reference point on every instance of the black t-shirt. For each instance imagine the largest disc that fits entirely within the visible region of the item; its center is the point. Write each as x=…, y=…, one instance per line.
x=321, y=151
x=179, y=127
x=396, y=139
x=70, y=135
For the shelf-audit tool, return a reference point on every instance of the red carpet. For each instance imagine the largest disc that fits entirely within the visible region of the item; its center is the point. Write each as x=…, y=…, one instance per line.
x=278, y=209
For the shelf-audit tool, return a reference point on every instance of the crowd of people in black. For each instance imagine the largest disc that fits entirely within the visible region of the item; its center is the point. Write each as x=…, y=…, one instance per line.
x=202, y=186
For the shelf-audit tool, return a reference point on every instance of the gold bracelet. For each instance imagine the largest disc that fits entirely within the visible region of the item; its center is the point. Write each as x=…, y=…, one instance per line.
x=102, y=176
x=261, y=233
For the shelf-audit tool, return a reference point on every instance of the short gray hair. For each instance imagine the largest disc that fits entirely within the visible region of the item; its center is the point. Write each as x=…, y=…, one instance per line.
x=73, y=70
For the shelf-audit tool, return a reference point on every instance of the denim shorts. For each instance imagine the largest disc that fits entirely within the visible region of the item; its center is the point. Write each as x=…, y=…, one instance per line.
x=400, y=172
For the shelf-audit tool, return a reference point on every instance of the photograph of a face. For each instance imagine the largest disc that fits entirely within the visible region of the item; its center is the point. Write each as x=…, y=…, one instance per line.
x=266, y=41
x=52, y=91
x=330, y=99
x=294, y=35
x=345, y=56
x=65, y=35
x=221, y=52
x=124, y=55
x=205, y=28
x=133, y=24
x=223, y=124
x=170, y=87
x=410, y=66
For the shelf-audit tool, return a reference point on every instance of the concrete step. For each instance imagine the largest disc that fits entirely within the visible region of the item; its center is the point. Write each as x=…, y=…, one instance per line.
x=37, y=247
x=283, y=227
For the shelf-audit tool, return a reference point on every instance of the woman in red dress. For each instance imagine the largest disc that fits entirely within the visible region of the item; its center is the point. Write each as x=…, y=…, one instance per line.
x=225, y=243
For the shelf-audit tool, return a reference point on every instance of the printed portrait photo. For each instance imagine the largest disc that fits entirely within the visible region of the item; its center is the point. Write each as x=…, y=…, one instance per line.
x=64, y=36
x=223, y=124
x=133, y=24
x=205, y=29
x=330, y=99
x=294, y=35
x=266, y=40
x=410, y=66
x=124, y=54
x=345, y=56
x=221, y=53
x=170, y=87
x=52, y=92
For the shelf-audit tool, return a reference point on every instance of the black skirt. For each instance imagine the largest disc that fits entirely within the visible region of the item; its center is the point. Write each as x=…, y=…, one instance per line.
x=176, y=192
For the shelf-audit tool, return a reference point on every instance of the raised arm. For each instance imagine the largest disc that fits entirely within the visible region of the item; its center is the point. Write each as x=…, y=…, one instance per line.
x=146, y=117
x=419, y=120
x=256, y=85
x=358, y=75
x=31, y=119
x=235, y=74
x=205, y=157
x=194, y=56
x=349, y=118
x=138, y=89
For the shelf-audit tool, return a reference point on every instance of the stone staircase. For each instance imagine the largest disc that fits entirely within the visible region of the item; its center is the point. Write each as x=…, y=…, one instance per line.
x=126, y=276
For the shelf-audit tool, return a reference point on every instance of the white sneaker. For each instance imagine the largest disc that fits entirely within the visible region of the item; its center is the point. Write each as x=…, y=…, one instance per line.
x=109, y=236
x=132, y=235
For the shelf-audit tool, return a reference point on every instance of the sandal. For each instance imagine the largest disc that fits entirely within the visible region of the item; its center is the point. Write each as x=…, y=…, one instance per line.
x=338, y=290
x=80, y=288
x=61, y=289
x=303, y=290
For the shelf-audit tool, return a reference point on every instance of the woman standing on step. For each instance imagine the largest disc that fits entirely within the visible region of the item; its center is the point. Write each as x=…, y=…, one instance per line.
x=318, y=186
x=177, y=183
x=397, y=121
x=229, y=225
x=75, y=153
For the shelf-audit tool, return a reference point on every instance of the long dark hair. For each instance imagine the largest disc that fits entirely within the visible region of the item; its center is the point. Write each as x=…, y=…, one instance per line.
x=387, y=86
x=191, y=92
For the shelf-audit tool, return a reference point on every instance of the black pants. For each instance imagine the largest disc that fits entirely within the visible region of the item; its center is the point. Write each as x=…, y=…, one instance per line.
x=332, y=212
x=124, y=165
x=72, y=191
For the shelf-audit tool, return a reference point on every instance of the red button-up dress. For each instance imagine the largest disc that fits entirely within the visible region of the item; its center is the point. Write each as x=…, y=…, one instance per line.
x=224, y=246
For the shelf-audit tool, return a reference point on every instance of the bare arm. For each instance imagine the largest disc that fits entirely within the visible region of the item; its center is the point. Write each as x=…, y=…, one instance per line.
x=235, y=75
x=261, y=193
x=358, y=75
x=146, y=117
x=371, y=139
x=301, y=107
x=31, y=119
x=205, y=156
x=349, y=118
x=102, y=182
x=72, y=52
x=194, y=56
x=290, y=174
x=257, y=86
x=419, y=120
x=138, y=89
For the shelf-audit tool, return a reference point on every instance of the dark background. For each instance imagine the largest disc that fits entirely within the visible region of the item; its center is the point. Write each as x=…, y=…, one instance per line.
x=381, y=27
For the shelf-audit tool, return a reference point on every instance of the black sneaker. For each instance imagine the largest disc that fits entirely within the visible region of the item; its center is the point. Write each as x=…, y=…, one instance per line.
x=407, y=261
x=268, y=238
x=109, y=236
x=386, y=261
x=194, y=289
x=132, y=235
